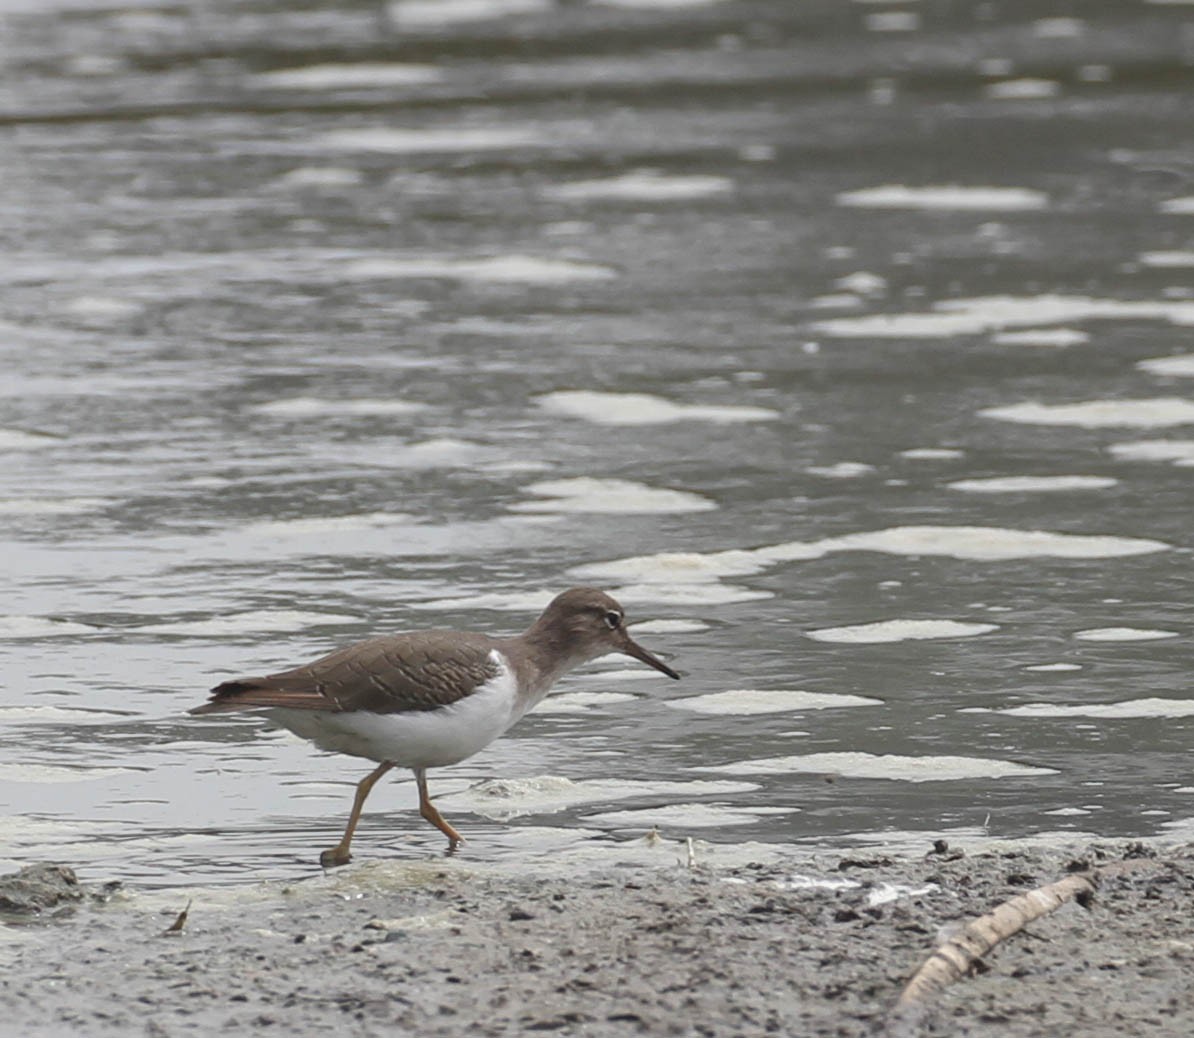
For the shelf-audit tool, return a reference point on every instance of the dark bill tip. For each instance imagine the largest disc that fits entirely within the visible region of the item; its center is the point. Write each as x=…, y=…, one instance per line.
x=632, y=648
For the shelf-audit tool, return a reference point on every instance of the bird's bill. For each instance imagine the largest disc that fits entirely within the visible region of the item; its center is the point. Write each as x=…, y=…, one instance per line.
x=632, y=648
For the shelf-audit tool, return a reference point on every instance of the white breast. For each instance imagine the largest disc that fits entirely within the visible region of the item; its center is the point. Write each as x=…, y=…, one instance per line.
x=419, y=738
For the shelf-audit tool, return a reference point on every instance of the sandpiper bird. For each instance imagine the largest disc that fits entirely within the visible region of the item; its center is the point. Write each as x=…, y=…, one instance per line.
x=428, y=698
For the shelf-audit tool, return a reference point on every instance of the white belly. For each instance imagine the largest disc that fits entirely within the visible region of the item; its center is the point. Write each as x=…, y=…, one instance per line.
x=418, y=738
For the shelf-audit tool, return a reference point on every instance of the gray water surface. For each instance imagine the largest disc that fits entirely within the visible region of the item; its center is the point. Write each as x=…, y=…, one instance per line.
x=320, y=322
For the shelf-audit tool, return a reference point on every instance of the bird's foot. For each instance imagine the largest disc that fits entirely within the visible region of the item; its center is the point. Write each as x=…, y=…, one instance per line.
x=335, y=857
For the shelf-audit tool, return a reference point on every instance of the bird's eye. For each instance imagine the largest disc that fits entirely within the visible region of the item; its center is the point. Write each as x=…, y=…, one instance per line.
x=612, y=620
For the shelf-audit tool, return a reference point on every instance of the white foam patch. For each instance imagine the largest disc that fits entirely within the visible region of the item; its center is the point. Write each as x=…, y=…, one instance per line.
x=40, y=627
x=645, y=409
x=57, y=715
x=253, y=622
x=642, y=186
x=746, y=701
x=1124, y=709
x=637, y=673
x=312, y=407
x=47, y=774
x=1022, y=89
x=342, y=77
x=985, y=543
x=581, y=702
x=512, y=269
x=395, y=141
x=883, y=766
x=51, y=505
x=319, y=176
x=687, y=595
x=1052, y=668
x=329, y=524
x=1168, y=259
x=1123, y=634
x=1181, y=452
x=1067, y=812
x=1179, y=206
x=503, y=799
x=949, y=196
x=1154, y=413
x=1052, y=338
x=16, y=440
x=932, y=454
x=885, y=631
x=610, y=497
x=669, y=626
x=677, y=816
x=1181, y=366
x=433, y=13
x=102, y=308
x=1032, y=484
x=984, y=314
x=892, y=21
x=841, y=470
x=682, y=573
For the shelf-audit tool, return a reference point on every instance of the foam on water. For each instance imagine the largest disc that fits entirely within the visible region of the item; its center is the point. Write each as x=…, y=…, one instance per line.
x=1181, y=452
x=947, y=196
x=885, y=631
x=17, y=440
x=1182, y=206
x=340, y=77
x=1053, y=338
x=932, y=454
x=883, y=766
x=512, y=269
x=641, y=186
x=687, y=595
x=682, y=573
x=985, y=314
x=40, y=627
x=645, y=409
x=1128, y=708
x=743, y=702
x=1181, y=365
x=319, y=176
x=1123, y=634
x=637, y=673
x=409, y=14
x=1022, y=89
x=1032, y=484
x=58, y=715
x=312, y=407
x=392, y=140
x=1168, y=259
x=1154, y=413
x=677, y=816
x=610, y=497
x=581, y=702
x=1048, y=668
x=504, y=799
x=263, y=621
x=841, y=470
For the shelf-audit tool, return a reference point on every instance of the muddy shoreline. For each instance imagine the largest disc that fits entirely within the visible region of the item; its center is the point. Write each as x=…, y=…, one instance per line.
x=798, y=945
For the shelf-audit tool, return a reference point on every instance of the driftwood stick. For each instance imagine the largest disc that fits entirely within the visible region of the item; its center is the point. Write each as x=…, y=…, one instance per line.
x=957, y=957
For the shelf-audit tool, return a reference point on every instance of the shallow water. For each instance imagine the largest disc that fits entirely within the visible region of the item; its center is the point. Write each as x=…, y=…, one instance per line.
x=846, y=346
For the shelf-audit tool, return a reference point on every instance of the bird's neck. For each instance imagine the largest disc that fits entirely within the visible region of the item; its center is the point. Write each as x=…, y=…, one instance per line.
x=539, y=659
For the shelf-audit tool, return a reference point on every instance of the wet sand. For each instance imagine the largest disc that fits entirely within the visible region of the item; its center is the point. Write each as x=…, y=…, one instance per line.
x=643, y=943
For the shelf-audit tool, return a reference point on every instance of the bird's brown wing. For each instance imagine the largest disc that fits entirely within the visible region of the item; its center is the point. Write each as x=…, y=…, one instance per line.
x=395, y=674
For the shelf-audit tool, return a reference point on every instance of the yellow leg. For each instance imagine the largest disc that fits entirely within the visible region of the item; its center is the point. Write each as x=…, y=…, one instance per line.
x=428, y=811
x=339, y=854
